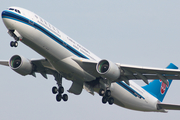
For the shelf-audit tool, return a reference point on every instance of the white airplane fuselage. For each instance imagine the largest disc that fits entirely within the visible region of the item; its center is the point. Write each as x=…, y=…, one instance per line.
x=59, y=49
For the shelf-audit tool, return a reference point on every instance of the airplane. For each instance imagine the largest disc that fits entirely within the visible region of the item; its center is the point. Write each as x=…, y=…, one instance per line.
x=65, y=58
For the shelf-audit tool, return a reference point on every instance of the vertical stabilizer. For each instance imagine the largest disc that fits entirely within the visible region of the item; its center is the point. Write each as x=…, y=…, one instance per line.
x=157, y=88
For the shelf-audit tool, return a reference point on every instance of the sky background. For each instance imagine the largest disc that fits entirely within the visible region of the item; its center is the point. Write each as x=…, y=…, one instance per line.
x=135, y=32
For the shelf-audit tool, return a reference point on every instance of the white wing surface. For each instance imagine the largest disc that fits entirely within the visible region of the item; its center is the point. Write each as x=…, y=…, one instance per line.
x=41, y=66
x=129, y=72
x=136, y=72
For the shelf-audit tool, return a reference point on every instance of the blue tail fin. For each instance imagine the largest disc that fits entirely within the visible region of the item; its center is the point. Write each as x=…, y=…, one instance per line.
x=157, y=88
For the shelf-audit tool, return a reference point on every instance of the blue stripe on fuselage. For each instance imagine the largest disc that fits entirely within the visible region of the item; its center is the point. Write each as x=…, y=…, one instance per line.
x=19, y=18
x=128, y=88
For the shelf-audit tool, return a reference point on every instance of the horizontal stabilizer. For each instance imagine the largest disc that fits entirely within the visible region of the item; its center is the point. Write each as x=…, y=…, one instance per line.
x=168, y=106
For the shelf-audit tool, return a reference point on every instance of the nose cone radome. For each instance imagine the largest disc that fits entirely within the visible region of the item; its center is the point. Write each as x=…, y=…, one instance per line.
x=3, y=14
x=6, y=19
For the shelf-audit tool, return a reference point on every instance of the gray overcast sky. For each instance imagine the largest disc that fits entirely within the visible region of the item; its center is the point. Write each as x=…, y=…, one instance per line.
x=144, y=33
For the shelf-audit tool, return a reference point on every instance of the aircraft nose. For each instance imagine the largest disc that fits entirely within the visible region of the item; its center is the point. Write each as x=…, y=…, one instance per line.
x=3, y=14
x=5, y=17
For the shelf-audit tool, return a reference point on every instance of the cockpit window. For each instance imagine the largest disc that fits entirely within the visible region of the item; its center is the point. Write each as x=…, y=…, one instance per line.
x=16, y=10
x=11, y=8
x=19, y=12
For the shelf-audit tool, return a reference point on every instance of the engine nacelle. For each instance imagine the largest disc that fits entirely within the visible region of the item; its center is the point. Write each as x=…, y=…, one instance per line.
x=108, y=69
x=20, y=65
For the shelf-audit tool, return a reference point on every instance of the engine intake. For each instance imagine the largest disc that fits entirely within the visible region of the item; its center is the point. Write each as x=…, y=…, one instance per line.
x=20, y=65
x=108, y=69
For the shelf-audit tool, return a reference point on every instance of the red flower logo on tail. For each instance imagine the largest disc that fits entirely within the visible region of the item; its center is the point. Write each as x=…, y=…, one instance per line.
x=163, y=86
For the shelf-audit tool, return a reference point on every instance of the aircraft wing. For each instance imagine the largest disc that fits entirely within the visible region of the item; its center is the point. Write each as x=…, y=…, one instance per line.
x=168, y=106
x=4, y=62
x=129, y=72
x=41, y=66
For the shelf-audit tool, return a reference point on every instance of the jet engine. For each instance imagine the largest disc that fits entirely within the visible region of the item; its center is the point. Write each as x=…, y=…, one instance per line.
x=20, y=65
x=108, y=69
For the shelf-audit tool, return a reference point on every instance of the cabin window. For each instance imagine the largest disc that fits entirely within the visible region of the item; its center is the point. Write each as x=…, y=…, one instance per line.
x=36, y=16
x=17, y=11
x=45, y=22
x=41, y=20
x=49, y=25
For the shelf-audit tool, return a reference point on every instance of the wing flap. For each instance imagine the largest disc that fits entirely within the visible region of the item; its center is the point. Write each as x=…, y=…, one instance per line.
x=148, y=70
x=135, y=72
x=43, y=66
x=150, y=77
x=168, y=106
